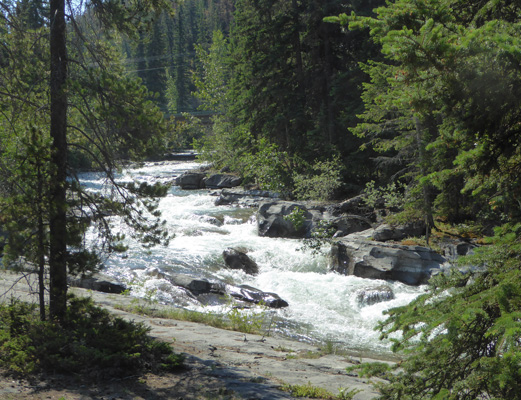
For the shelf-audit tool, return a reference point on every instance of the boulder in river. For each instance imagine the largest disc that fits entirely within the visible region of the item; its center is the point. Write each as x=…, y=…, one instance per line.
x=221, y=181
x=99, y=283
x=191, y=180
x=273, y=219
x=413, y=265
x=277, y=219
x=244, y=197
x=256, y=296
x=204, y=289
x=376, y=294
x=236, y=259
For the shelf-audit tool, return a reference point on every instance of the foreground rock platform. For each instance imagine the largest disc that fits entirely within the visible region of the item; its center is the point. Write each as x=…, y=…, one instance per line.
x=244, y=366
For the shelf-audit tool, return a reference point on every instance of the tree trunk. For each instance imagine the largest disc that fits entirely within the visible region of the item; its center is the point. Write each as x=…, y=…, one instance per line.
x=429, y=218
x=41, y=245
x=58, y=205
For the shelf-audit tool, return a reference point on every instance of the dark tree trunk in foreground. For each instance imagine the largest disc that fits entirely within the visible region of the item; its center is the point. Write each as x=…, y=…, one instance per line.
x=58, y=206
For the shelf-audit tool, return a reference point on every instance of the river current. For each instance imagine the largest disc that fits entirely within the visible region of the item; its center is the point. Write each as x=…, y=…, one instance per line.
x=322, y=304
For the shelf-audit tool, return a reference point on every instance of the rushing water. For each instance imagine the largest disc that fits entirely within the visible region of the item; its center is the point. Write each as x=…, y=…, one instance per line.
x=322, y=304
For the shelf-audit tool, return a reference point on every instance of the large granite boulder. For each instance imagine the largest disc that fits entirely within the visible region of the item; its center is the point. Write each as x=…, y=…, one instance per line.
x=221, y=181
x=244, y=197
x=273, y=220
x=191, y=180
x=299, y=220
x=413, y=265
x=347, y=224
x=236, y=259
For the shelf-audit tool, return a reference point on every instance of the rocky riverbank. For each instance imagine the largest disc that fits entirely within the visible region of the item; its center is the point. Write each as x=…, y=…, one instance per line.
x=220, y=364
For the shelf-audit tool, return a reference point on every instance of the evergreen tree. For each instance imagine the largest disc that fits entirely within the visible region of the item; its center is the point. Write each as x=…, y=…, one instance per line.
x=110, y=118
x=449, y=98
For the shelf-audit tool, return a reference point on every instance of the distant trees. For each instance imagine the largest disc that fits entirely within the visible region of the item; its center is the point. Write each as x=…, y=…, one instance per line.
x=165, y=58
x=293, y=91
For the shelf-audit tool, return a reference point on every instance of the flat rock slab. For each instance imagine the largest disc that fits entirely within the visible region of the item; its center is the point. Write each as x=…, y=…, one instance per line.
x=244, y=365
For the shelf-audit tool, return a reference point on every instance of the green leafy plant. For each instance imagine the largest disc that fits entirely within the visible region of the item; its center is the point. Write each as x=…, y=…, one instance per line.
x=297, y=217
x=320, y=182
x=315, y=392
x=391, y=196
x=89, y=340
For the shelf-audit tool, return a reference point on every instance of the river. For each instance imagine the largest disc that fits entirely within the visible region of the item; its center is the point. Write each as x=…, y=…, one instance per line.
x=322, y=304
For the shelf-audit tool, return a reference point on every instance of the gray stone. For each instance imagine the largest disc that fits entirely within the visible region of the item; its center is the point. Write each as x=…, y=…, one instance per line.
x=387, y=232
x=345, y=225
x=273, y=220
x=191, y=180
x=212, y=292
x=235, y=259
x=256, y=296
x=221, y=181
x=99, y=283
x=372, y=295
x=244, y=197
x=412, y=265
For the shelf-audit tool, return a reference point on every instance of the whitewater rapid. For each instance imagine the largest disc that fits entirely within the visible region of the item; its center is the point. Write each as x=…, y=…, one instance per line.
x=322, y=304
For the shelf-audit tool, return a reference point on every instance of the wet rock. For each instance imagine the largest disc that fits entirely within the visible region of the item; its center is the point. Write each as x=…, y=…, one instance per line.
x=413, y=265
x=210, y=220
x=191, y=180
x=236, y=259
x=99, y=283
x=256, y=296
x=196, y=285
x=274, y=219
x=372, y=295
x=244, y=197
x=215, y=292
x=221, y=181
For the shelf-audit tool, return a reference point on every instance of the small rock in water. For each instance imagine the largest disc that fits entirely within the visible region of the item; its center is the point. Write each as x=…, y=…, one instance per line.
x=372, y=295
x=235, y=259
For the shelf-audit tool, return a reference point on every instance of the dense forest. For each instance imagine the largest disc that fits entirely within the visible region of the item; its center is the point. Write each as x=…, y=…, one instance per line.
x=418, y=101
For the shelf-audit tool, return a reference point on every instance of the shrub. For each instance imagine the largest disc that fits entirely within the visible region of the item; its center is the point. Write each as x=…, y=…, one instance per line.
x=90, y=340
x=320, y=182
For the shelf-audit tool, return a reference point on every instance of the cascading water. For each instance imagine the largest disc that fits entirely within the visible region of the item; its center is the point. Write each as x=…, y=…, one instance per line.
x=322, y=304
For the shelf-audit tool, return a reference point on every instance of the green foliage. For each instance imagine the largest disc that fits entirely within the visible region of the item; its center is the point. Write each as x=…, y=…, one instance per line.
x=212, y=81
x=426, y=111
x=370, y=369
x=321, y=235
x=89, y=340
x=314, y=392
x=461, y=339
x=391, y=196
x=246, y=322
x=321, y=181
x=296, y=217
x=235, y=319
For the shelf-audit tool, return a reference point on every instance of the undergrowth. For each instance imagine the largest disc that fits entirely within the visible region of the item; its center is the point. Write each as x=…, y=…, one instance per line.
x=315, y=392
x=89, y=341
x=234, y=320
